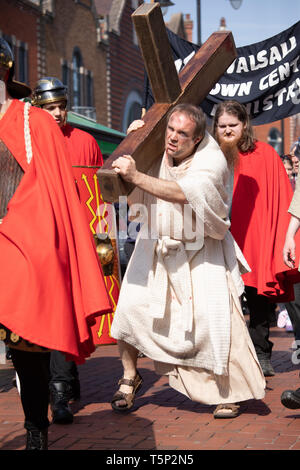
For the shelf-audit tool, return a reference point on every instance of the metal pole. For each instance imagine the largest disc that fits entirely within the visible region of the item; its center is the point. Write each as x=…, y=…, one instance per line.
x=199, y=21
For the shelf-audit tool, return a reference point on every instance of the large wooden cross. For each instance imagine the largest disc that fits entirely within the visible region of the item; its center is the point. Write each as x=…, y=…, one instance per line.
x=192, y=85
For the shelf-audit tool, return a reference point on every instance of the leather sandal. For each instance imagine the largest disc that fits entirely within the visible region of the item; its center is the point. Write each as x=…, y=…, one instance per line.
x=226, y=410
x=136, y=384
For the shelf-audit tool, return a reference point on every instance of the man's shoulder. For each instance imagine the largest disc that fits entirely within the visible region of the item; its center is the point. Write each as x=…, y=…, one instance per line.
x=80, y=134
x=209, y=153
x=264, y=157
x=263, y=147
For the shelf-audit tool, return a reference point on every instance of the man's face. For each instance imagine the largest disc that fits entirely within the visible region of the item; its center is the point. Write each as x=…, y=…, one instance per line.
x=58, y=111
x=180, y=140
x=289, y=168
x=229, y=129
x=295, y=161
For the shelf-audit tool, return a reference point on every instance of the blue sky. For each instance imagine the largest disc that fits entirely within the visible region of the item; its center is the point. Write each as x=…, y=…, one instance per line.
x=254, y=21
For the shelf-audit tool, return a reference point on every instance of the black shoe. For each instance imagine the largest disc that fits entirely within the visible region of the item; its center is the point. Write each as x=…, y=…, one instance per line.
x=291, y=399
x=267, y=367
x=60, y=394
x=37, y=440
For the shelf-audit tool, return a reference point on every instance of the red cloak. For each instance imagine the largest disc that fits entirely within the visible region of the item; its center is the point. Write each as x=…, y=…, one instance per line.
x=83, y=148
x=51, y=281
x=262, y=194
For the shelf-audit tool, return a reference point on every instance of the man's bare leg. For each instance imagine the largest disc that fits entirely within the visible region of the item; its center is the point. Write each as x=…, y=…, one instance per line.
x=128, y=355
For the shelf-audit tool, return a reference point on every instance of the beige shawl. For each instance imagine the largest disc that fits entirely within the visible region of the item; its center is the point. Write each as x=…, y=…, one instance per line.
x=174, y=301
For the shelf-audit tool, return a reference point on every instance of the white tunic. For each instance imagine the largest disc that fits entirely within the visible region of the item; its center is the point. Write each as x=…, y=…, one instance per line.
x=175, y=303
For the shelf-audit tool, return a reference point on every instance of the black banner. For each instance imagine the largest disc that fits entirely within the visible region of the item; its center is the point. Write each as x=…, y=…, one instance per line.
x=265, y=76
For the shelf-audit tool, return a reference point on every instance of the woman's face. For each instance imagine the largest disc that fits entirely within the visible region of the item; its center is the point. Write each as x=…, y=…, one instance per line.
x=295, y=161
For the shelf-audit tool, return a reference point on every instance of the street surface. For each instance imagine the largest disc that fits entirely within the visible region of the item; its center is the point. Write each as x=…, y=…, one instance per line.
x=162, y=418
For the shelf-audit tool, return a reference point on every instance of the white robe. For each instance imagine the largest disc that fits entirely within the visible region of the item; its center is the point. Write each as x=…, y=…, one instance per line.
x=175, y=303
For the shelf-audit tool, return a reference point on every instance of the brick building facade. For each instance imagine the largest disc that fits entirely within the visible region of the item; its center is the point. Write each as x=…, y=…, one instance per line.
x=72, y=53
x=92, y=47
x=89, y=44
x=125, y=69
x=20, y=26
x=280, y=134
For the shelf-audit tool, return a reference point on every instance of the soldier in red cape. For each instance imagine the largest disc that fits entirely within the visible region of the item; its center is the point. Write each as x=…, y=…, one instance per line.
x=52, y=285
x=259, y=219
x=51, y=95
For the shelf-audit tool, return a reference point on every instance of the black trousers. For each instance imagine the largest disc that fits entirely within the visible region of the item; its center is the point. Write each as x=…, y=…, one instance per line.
x=260, y=311
x=34, y=373
x=62, y=370
x=293, y=309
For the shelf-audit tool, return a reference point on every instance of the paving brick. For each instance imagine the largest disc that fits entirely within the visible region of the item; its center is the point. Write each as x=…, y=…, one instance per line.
x=162, y=418
x=235, y=445
x=214, y=443
x=286, y=441
x=296, y=446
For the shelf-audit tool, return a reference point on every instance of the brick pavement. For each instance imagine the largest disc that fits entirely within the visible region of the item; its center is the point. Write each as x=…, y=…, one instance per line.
x=163, y=419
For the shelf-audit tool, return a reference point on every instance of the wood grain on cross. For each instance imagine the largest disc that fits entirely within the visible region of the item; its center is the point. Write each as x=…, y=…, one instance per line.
x=192, y=85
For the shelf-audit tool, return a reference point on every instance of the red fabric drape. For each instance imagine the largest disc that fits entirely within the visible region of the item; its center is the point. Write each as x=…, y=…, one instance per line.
x=51, y=281
x=262, y=194
x=82, y=147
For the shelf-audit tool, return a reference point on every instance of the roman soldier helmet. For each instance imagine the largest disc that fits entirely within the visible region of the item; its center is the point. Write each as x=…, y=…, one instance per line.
x=49, y=90
x=16, y=89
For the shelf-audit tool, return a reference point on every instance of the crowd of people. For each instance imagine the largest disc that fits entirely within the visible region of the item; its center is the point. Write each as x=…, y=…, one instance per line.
x=221, y=213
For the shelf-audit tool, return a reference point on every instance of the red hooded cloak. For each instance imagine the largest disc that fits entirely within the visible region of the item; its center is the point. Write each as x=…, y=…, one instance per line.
x=262, y=194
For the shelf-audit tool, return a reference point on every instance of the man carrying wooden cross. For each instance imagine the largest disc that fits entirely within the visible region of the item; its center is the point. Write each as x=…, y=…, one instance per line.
x=179, y=302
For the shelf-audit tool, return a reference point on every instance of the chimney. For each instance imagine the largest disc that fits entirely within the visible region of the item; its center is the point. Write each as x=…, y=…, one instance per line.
x=188, y=27
x=223, y=26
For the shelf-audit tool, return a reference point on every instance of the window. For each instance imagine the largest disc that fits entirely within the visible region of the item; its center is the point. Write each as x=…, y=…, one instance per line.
x=76, y=65
x=89, y=89
x=80, y=85
x=65, y=73
x=132, y=110
x=22, y=62
x=275, y=140
x=20, y=53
